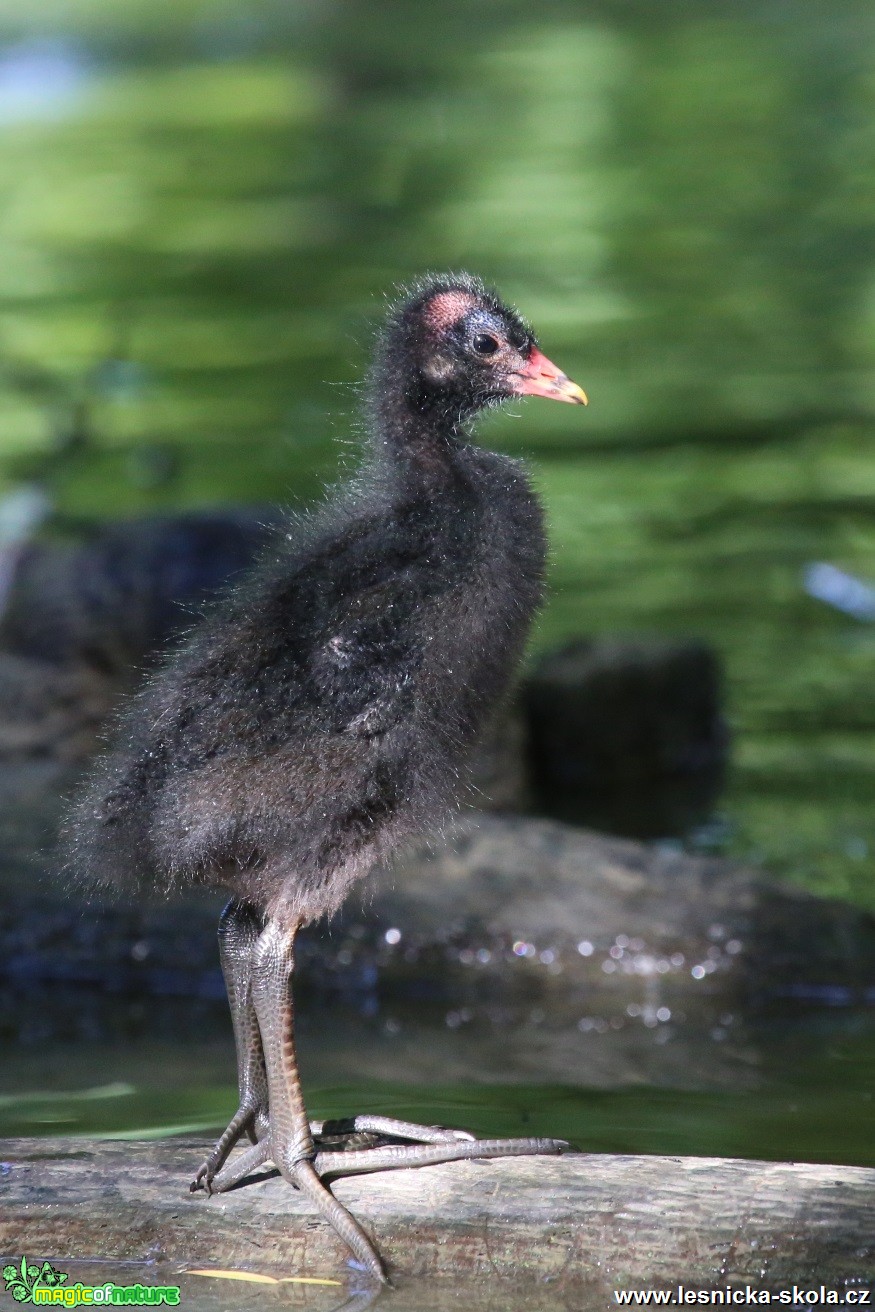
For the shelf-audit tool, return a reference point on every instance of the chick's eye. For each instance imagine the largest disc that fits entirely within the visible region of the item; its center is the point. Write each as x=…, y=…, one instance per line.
x=485, y=344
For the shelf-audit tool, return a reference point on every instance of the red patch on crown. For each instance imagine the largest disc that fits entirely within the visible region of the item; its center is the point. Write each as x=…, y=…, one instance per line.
x=447, y=308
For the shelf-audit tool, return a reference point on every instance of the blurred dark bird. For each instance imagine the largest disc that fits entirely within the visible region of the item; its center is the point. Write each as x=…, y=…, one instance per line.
x=325, y=711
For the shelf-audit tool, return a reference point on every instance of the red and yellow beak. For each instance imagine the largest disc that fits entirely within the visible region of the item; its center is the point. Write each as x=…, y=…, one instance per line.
x=541, y=378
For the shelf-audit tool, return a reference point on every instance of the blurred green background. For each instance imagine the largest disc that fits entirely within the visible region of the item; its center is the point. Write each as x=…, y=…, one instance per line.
x=203, y=203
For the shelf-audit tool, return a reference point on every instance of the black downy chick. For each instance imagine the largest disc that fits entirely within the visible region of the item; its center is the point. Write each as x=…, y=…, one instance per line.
x=324, y=712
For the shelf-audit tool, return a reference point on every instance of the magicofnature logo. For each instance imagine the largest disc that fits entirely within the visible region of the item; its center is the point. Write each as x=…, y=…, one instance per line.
x=29, y=1283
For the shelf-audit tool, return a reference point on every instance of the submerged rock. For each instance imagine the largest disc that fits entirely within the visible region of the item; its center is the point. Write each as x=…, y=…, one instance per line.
x=627, y=734
x=515, y=949
x=548, y=895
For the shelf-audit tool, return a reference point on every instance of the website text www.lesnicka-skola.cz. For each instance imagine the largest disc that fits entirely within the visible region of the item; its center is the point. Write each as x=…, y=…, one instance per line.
x=795, y=1296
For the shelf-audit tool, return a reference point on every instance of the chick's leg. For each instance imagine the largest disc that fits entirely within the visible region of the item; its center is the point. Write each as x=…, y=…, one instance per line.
x=289, y=1142
x=305, y=1153
x=239, y=929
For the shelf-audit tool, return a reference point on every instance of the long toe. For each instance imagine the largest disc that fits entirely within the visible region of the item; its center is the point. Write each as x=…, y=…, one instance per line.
x=343, y=1222
x=242, y=1166
x=203, y=1179
x=395, y=1156
x=242, y=1122
x=371, y=1128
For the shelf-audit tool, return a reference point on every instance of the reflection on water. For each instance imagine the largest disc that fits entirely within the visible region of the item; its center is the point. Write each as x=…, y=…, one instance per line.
x=790, y=1081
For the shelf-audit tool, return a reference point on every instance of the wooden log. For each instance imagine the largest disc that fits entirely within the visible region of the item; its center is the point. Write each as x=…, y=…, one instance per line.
x=554, y=1230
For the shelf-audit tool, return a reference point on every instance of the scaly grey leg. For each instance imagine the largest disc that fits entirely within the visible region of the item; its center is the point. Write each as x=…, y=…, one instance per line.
x=290, y=1142
x=239, y=928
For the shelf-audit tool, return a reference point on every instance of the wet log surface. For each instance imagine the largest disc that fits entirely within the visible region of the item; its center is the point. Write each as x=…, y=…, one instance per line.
x=562, y=1229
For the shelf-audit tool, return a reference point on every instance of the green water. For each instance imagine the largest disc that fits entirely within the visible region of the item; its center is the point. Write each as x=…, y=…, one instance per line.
x=794, y=1085
x=783, y=1124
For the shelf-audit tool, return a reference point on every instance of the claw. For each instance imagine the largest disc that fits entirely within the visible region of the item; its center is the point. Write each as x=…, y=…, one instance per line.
x=202, y=1180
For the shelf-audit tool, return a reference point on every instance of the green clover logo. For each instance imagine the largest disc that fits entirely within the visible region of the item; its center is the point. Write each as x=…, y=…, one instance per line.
x=22, y=1280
